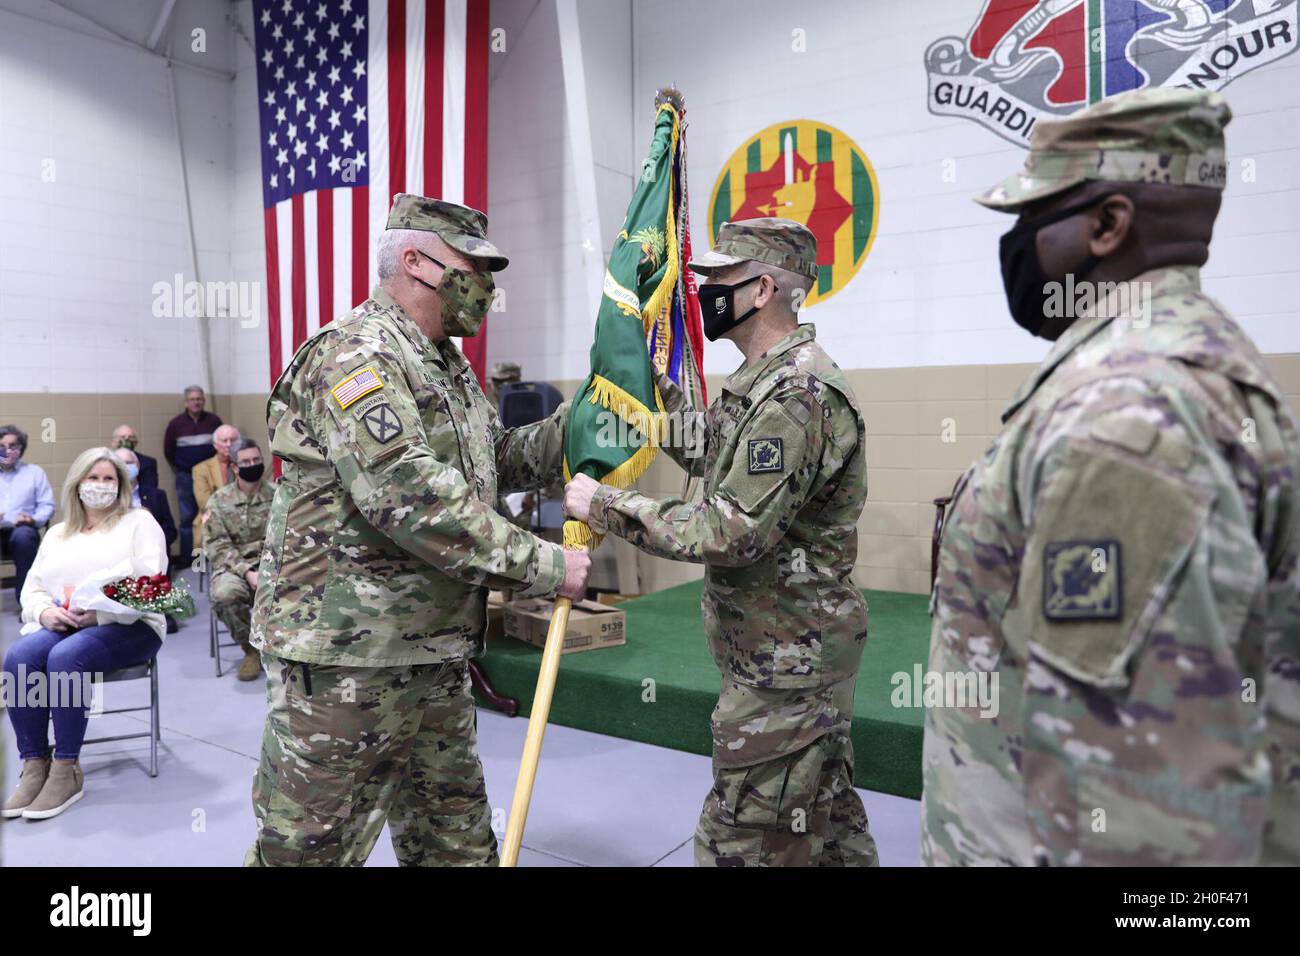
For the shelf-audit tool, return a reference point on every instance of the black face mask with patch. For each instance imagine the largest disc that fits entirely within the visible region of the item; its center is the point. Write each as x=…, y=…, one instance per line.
x=1022, y=273
x=718, y=305
x=251, y=473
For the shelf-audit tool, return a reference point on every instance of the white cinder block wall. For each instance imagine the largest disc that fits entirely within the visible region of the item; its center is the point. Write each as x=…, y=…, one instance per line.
x=246, y=364
x=533, y=212
x=92, y=209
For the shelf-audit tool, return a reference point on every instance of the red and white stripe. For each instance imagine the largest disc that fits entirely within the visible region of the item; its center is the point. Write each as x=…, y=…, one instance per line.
x=427, y=102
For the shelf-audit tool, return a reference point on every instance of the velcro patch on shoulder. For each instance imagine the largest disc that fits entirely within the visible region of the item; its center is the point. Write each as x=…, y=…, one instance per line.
x=1138, y=435
x=765, y=455
x=1083, y=580
x=1142, y=436
x=1109, y=536
x=356, y=385
x=382, y=423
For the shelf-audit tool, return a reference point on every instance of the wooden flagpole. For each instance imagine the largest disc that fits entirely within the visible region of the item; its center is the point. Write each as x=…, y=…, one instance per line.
x=537, y=717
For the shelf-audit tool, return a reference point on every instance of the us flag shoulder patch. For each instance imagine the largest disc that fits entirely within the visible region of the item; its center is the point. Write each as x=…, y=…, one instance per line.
x=355, y=386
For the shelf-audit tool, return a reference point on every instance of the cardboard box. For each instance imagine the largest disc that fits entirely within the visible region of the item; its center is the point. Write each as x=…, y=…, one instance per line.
x=591, y=625
x=610, y=598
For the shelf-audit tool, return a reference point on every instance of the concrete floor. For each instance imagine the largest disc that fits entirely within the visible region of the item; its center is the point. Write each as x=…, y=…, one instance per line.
x=598, y=801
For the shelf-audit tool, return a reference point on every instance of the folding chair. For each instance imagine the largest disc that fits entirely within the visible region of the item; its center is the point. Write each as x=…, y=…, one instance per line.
x=215, y=630
x=148, y=669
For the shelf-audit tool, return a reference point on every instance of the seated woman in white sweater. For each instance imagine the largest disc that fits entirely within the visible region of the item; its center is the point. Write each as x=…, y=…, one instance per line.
x=100, y=532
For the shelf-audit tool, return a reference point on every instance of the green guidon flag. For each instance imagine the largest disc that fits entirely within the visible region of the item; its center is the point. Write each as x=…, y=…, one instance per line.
x=616, y=418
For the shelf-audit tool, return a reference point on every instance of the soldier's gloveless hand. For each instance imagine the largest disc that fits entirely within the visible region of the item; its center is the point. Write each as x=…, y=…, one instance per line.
x=577, y=567
x=577, y=496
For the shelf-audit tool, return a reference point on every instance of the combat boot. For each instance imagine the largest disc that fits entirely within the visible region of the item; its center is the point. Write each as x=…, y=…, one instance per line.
x=251, y=665
x=63, y=787
x=30, y=783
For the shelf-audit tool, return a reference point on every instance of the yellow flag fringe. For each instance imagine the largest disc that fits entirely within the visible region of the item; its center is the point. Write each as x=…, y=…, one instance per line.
x=577, y=535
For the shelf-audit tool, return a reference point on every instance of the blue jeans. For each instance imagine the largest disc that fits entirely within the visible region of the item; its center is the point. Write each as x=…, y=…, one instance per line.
x=189, y=511
x=91, y=650
x=21, y=543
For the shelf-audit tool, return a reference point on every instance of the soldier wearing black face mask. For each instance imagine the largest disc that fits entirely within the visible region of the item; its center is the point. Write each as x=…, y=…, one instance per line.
x=232, y=541
x=784, y=468
x=1122, y=561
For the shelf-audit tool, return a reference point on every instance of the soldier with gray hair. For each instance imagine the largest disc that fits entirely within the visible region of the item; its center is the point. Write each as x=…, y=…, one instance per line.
x=382, y=544
x=784, y=466
x=236, y=524
x=1122, y=562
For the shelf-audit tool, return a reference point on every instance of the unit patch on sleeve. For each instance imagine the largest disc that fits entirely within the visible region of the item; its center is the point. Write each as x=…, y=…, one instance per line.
x=1081, y=581
x=382, y=423
x=359, y=383
x=765, y=455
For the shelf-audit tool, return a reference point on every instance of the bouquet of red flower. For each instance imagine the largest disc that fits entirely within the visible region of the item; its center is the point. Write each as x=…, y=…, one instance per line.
x=154, y=595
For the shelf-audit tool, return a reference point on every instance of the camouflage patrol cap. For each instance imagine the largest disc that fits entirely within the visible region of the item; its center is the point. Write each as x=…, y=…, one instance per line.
x=462, y=228
x=783, y=243
x=505, y=371
x=1162, y=135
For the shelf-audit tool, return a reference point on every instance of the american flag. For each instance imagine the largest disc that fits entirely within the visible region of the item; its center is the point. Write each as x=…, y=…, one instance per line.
x=360, y=100
x=353, y=387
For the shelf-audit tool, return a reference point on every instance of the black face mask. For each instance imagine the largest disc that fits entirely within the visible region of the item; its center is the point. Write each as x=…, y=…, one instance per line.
x=251, y=473
x=1022, y=273
x=718, y=303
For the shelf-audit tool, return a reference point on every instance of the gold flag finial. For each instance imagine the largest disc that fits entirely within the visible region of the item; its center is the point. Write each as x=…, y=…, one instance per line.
x=670, y=94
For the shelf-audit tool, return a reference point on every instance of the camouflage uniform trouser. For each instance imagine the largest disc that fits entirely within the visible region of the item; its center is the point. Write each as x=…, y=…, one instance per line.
x=346, y=748
x=232, y=602
x=783, y=781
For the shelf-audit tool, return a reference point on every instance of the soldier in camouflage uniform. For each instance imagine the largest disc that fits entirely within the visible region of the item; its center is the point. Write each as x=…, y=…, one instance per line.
x=502, y=374
x=1121, y=565
x=235, y=518
x=382, y=545
x=782, y=452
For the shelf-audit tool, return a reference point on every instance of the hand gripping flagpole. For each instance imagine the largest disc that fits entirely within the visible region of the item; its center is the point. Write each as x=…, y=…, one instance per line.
x=537, y=718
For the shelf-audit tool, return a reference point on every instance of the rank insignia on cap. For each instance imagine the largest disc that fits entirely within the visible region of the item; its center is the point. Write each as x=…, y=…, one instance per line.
x=382, y=423
x=764, y=455
x=356, y=385
x=1081, y=581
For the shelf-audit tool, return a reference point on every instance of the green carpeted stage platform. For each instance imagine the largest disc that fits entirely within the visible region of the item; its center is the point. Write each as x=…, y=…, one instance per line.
x=601, y=690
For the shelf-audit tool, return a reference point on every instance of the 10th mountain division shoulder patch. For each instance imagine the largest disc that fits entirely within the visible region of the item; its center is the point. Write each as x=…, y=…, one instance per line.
x=382, y=423
x=765, y=455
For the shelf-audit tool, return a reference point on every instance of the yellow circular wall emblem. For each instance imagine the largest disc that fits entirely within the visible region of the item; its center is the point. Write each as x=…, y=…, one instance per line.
x=811, y=173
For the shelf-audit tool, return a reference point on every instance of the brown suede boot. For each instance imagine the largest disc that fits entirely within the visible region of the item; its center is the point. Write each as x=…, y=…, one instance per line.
x=63, y=787
x=251, y=665
x=29, y=787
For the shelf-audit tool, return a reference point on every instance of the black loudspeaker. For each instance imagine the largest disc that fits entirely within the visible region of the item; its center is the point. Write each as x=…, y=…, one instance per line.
x=522, y=403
